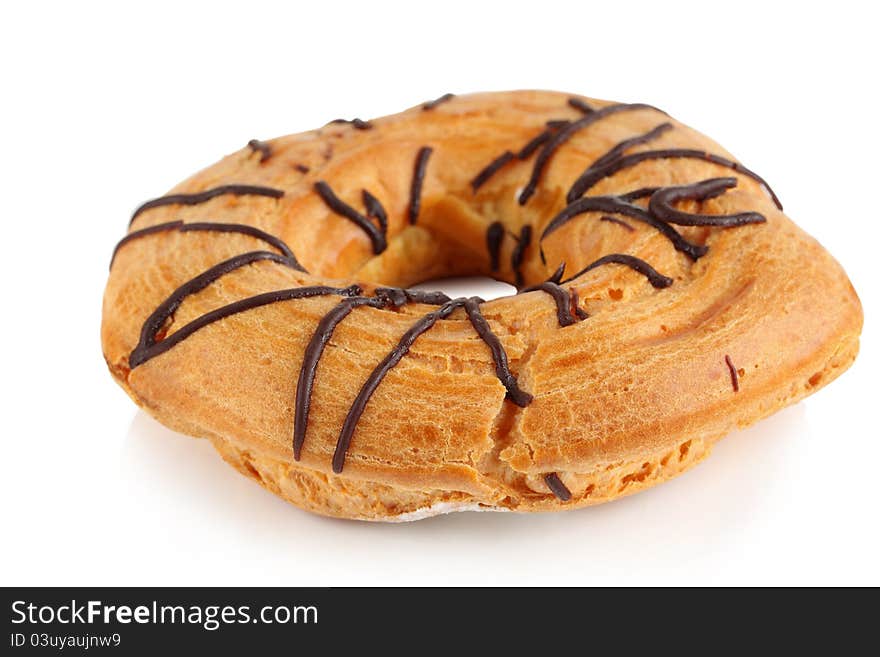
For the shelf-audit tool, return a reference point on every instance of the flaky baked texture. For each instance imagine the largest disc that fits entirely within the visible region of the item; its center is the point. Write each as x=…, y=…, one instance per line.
x=572, y=394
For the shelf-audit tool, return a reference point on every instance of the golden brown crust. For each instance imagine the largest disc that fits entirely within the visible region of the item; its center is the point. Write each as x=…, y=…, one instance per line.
x=626, y=399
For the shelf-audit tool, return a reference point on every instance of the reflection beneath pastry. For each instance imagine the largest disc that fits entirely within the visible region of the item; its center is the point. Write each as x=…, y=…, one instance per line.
x=182, y=488
x=229, y=530
x=178, y=471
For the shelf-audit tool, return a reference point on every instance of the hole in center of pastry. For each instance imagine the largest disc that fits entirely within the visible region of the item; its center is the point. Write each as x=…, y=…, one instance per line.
x=468, y=286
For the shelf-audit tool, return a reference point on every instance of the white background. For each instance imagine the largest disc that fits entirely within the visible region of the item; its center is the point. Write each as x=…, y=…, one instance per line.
x=107, y=105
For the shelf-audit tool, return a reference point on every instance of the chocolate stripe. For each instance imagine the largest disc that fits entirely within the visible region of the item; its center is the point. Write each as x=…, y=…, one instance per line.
x=242, y=229
x=143, y=232
x=611, y=204
x=564, y=135
x=618, y=149
x=311, y=356
x=541, y=138
x=431, y=104
x=342, y=208
x=375, y=209
x=207, y=195
x=734, y=375
x=654, y=277
x=661, y=202
x=556, y=276
x=636, y=194
x=588, y=179
x=502, y=368
x=494, y=236
x=615, y=220
x=491, y=169
x=210, y=227
x=560, y=296
x=576, y=309
x=157, y=319
x=534, y=144
x=519, y=251
x=262, y=148
x=567, y=310
x=395, y=296
x=359, y=124
x=581, y=105
x=144, y=352
x=415, y=192
x=554, y=483
x=376, y=376
x=385, y=296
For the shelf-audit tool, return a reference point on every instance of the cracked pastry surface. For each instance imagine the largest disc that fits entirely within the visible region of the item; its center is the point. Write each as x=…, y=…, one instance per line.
x=254, y=307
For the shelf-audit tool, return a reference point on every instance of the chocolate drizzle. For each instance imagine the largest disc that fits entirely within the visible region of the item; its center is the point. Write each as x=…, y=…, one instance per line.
x=340, y=207
x=376, y=376
x=654, y=277
x=615, y=220
x=618, y=149
x=262, y=148
x=581, y=105
x=561, y=297
x=244, y=229
x=591, y=176
x=415, y=192
x=383, y=298
x=375, y=209
x=661, y=202
x=564, y=135
x=152, y=230
x=431, y=104
x=149, y=348
x=734, y=375
x=612, y=204
x=636, y=194
x=207, y=195
x=554, y=483
x=358, y=124
x=556, y=276
x=536, y=142
x=519, y=251
x=312, y=355
x=491, y=169
x=576, y=309
x=502, y=369
x=494, y=236
x=567, y=310
x=154, y=323
x=397, y=297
